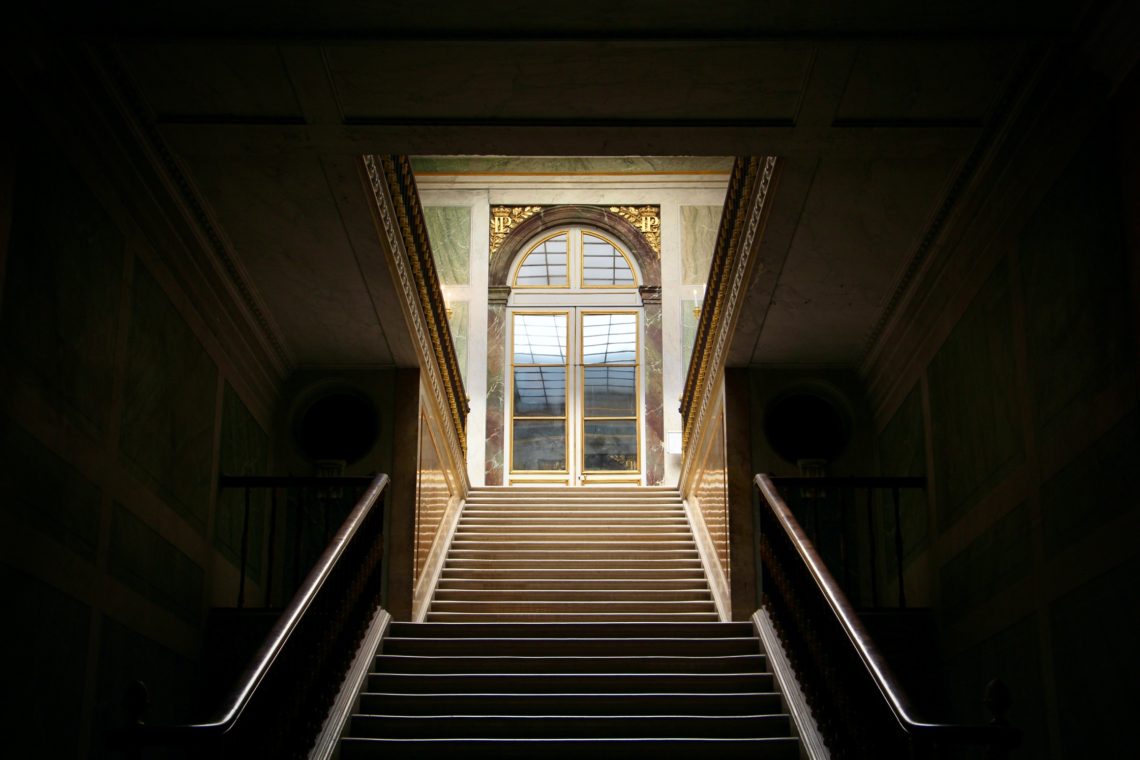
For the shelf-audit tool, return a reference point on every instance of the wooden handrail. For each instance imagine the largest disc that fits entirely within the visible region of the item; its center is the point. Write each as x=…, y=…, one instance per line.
x=140, y=733
x=994, y=734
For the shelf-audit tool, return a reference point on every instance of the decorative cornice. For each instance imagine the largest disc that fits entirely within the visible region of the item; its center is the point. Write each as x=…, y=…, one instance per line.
x=647, y=220
x=397, y=204
x=506, y=218
x=745, y=206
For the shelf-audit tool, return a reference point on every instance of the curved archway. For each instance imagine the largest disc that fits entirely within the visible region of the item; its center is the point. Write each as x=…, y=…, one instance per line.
x=592, y=216
x=499, y=286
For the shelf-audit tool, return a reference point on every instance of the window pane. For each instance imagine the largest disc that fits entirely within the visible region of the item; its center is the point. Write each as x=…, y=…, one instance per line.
x=609, y=338
x=545, y=264
x=539, y=445
x=610, y=391
x=540, y=339
x=611, y=445
x=602, y=264
x=540, y=391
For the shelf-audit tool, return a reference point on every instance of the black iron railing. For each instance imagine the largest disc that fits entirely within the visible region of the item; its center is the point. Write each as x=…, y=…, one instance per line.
x=279, y=703
x=856, y=700
x=303, y=513
x=829, y=508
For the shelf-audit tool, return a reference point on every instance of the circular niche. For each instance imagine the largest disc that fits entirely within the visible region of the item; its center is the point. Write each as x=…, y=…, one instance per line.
x=806, y=425
x=337, y=425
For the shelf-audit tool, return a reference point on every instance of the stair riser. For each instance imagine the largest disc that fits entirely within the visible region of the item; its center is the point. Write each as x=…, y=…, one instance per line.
x=634, y=703
x=571, y=617
x=547, y=553
x=572, y=749
x=555, y=606
x=597, y=595
x=559, y=565
x=449, y=584
x=678, y=629
x=569, y=575
x=568, y=533
x=568, y=683
x=571, y=647
x=447, y=727
x=393, y=663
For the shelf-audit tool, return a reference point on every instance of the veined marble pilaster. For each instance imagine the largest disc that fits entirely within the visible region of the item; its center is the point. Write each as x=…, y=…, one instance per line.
x=496, y=365
x=654, y=392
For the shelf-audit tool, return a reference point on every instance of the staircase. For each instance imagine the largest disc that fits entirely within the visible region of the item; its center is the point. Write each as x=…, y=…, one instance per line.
x=571, y=622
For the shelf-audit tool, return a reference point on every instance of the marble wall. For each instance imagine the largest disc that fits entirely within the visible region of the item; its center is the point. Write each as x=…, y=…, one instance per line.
x=1025, y=417
x=712, y=494
x=433, y=495
x=118, y=409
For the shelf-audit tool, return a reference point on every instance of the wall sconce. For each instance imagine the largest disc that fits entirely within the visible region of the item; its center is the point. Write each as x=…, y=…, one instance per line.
x=699, y=300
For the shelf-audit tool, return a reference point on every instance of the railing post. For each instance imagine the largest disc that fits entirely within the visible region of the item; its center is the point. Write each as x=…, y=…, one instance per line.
x=899, y=547
x=300, y=522
x=244, y=549
x=272, y=546
x=997, y=700
x=873, y=549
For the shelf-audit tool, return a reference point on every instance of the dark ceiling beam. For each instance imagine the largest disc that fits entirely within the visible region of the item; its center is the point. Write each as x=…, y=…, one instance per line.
x=900, y=139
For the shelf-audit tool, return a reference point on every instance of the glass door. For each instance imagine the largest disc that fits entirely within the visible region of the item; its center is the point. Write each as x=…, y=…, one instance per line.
x=575, y=388
x=609, y=379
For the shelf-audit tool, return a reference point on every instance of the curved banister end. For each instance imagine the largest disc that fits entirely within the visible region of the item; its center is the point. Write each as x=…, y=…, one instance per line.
x=998, y=736
x=997, y=700
x=136, y=701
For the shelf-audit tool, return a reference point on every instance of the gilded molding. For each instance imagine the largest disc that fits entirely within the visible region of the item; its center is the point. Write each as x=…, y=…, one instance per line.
x=647, y=220
x=506, y=218
x=745, y=204
x=393, y=188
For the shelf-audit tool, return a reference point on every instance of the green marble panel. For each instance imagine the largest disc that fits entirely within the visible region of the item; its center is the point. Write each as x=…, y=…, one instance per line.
x=62, y=286
x=1096, y=670
x=992, y=562
x=902, y=452
x=449, y=230
x=244, y=451
x=43, y=646
x=689, y=319
x=173, y=682
x=168, y=404
x=39, y=488
x=975, y=401
x=1075, y=281
x=1094, y=488
x=458, y=321
x=154, y=567
x=1014, y=656
x=570, y=165
x=699, y=225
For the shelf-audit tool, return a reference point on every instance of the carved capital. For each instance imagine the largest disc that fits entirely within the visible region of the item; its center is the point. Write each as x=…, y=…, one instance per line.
x=497, y=295
x=650, y=294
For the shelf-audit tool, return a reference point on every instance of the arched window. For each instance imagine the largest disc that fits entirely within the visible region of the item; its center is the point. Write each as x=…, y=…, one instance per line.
x=574, y=341
x=575, y=258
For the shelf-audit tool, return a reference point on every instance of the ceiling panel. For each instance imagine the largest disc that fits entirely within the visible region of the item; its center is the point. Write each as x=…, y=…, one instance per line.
x=570, y=80
x=926, y=81
x=862, y=221
x=212, y=79
x=286, y=230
